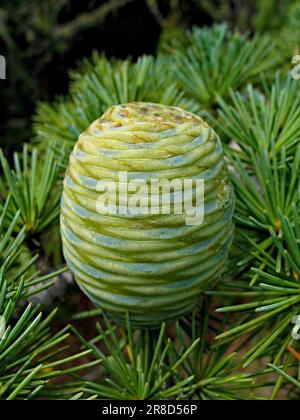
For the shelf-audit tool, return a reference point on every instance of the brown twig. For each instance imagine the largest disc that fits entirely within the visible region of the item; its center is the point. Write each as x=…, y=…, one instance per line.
x=88, y=19
x=294, y=353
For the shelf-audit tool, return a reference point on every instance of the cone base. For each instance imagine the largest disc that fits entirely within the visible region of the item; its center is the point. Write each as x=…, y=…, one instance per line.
x=151, y=320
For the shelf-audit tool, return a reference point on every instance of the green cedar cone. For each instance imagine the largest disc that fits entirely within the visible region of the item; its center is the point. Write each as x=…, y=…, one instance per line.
x=153, y=266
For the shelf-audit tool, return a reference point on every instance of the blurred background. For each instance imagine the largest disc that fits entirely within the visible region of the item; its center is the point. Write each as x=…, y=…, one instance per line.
x=43, y=39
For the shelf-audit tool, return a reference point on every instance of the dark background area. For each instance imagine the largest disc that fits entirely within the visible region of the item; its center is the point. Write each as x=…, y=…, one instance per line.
x=43, y=39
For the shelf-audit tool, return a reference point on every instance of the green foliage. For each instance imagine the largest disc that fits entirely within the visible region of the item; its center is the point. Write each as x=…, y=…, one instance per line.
x=140, y=364
x=272, y=296
x=146, y=372
x=278, y=280
x=272, y=15
x=255, y=15
x=100, y=83
x=262, y=118
x=246, y=349
x=218, y=371
x=9, y=244
x=30, y=355
x=34, y=37
x=260, y=124
x=32, y=183
x=296, y=384
x=263, y=131
x=26, y=362
x=290, y=34
x=236, y=13
x=266, y=191
x=213, y=60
